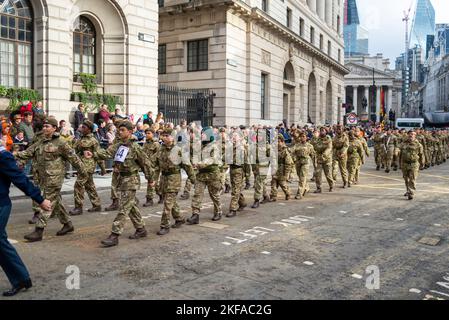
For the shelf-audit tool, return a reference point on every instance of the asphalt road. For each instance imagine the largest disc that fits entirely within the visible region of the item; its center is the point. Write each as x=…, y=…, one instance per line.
x=358, y=243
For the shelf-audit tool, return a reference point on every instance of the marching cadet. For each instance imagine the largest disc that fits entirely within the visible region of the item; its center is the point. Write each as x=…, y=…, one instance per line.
x=313, y=142
x=50, y=154
x=209, y=175
x=400, y=137
x=423, y=141
x=412, y=158
x=284, y=167
x=115, y=179
x=195, y=152
x=340, y=145
x=359, y=135
x=302, y=153
x=323, y=149
x=389, y=144
x=151, y=148
x=128, y=159
x=85, y=182
x=260, y=169
x=225, y=143
x=37, y=137
x=247, y=166
x=168, y=161
x=239, y=155
x=355, y=156
x=379, y=153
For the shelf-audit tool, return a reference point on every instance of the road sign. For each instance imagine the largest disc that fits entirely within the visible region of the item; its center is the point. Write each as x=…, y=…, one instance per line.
x=352, y=119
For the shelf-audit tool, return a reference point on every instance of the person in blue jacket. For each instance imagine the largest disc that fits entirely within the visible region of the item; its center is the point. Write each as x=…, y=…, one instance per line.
x=10, y=261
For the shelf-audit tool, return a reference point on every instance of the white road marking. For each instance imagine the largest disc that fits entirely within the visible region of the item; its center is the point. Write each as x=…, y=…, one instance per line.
x=438, y=292
x=282, y=204
x=309, y=263
x=104, y=213
x=226, y=243
x=399, y=219
x=357, y=276
x=11, y=241
x=437, y=225
x=343, y=211
x=413, y=290
x=366, y=214
x=266, y=252
x=310, y=207
x=211, y=225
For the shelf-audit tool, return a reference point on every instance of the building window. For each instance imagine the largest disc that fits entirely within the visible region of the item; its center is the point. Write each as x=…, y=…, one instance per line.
x=197, y=55
x=263, y=95
x=289, y=18
x=16, y=39
x=321, y=42
x=265, y=5
x=338, y=24
x=329, y=48
x=301, y=27
x=84, y=45
x=312, y=35
x=162, y=59
x=339, y=55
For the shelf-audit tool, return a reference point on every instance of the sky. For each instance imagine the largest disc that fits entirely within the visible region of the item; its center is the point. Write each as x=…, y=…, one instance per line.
x=383, y=19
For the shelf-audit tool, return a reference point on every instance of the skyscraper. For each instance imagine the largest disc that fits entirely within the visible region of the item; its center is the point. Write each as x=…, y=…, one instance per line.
x=356, y=37
x=423, y=24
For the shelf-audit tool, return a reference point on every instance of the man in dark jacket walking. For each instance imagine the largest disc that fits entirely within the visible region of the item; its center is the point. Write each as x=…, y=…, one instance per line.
x=10, y=261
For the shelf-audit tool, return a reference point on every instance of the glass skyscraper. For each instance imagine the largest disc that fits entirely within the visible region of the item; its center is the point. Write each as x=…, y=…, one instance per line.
x=423, y=24
x=356, y=37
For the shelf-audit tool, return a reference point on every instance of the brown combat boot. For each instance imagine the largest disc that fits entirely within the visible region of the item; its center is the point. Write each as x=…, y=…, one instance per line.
x=67, y=228
x=178, y=224
x=111, y=241
x=149, y=203
x=194, y=219
x=266, y=199
x=76, y=212
x=163, y=231
x=95, y=209
x=256, y=204
x=231, y=214
x=114, y=206
x=34, y=219
x=217, y=216
x=140, y=233
x=36, y=235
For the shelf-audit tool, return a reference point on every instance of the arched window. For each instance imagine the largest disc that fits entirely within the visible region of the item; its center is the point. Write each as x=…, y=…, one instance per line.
x=84, y=42
x=16, y=39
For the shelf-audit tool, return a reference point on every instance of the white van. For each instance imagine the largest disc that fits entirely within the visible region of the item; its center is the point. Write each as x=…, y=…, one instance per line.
x=409, y=123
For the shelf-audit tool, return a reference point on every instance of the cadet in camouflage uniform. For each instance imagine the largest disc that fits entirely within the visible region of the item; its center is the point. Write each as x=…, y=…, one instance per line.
x=285, y=165
x=209, y=175
x=240, y=156
x=260, y=169
x=128, y=158
x=247, y=166
x=151, y=149
x=423, y=141
x=358, y=135
x=389, y=144
x=195, y=152
x=340, y=145
x=37, y=137
x=412, y=157
x=323, y=149
x=169, y=161
x=50, y=154
x=355, y=156
x=400, y=137
x=85, y=182
x=302, y=153
x=313, y=142
x=379, y=151
x=225, y=167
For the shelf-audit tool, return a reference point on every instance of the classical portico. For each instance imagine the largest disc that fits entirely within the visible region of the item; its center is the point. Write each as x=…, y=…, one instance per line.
x=364, y=86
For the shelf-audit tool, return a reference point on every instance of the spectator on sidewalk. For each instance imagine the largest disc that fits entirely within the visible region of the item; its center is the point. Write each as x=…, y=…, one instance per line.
x=27, y=126
x=79, y=118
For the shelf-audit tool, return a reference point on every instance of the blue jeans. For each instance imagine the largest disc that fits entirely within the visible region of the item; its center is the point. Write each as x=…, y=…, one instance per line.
x=9, y=259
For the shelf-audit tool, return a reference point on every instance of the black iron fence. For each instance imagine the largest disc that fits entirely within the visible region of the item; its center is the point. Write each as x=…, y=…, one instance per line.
x=186, y=104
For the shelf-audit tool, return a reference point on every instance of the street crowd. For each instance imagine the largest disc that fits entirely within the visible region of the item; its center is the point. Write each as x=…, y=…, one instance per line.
x=219, y=159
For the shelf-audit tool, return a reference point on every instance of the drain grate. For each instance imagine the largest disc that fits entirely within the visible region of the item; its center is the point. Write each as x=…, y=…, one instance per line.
x=430, y=241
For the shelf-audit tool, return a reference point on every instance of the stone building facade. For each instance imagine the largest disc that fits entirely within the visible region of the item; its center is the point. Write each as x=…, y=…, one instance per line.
x=266, y=60
x=114, y=39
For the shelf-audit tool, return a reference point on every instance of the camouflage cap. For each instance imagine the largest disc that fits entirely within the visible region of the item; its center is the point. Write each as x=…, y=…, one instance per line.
x=51, y=121
x=167, y=132
x=89, y=124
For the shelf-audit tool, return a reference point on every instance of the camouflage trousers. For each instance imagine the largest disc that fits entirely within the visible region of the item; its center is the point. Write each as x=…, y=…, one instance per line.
x=114, y=185
x=410, y=174
x=153, y=190
x=85, y=183
x=128, y=207
x=35, y=205
x=188, y=185
x=171, y=209
x=247, y=170
x=396, y=157
x=237, y=185
x=54, y=195
x=340, y=164
x=379, y=156
x=302, y=170
x=327, y=168
x=276, y=183
x=260, y=178
x=225, y=176
x=388, y=160
x=353, y=164
x=213, y=183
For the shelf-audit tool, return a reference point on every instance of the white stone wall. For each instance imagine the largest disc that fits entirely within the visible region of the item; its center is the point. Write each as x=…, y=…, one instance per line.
x=126, y=66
